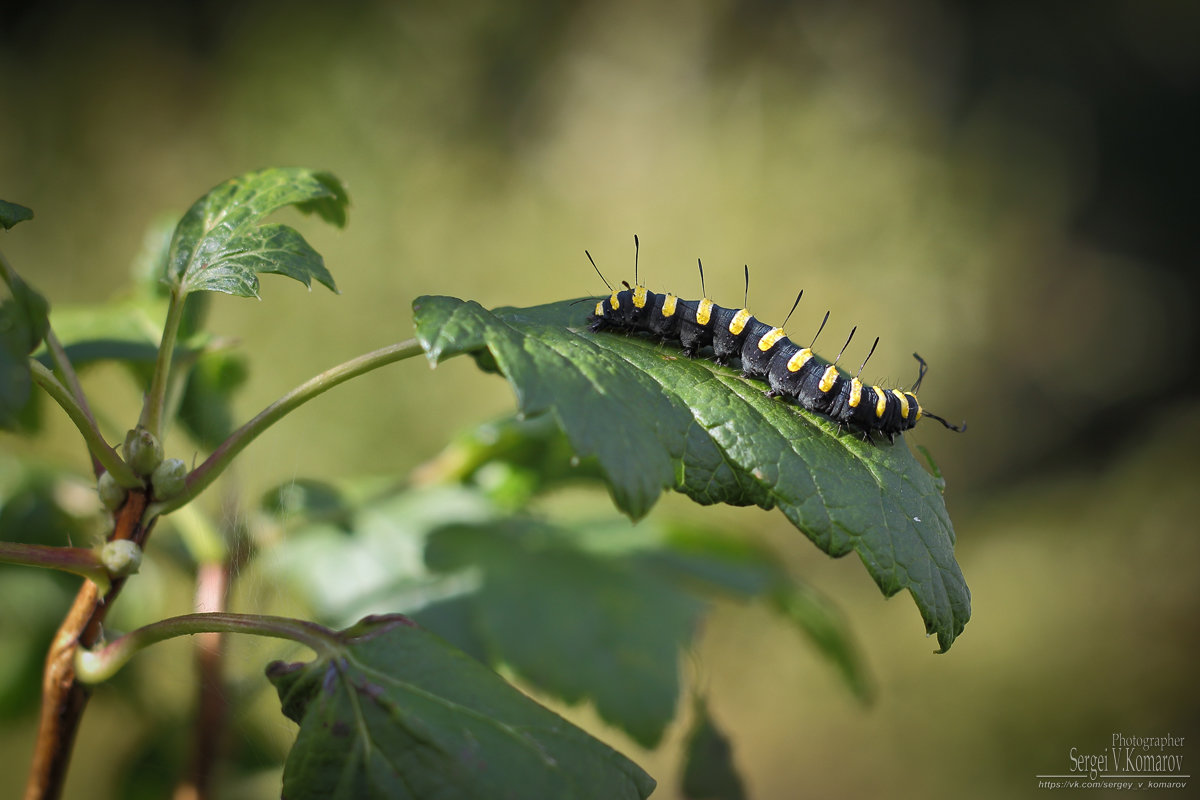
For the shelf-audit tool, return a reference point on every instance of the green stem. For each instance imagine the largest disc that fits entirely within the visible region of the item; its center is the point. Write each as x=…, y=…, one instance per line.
x=59, y=356
x=67, y=372
x=152, y=411
x=80, y=561
x=94, y=666
x=99, y=448
x=206, y=473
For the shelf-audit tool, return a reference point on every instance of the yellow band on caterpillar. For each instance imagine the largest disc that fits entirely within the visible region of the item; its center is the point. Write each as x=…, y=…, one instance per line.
x=668, y=309
x=704, y=311
x=614, y=302
x=799, y=359
x=738, y=323
x=827, y=380
x=770, y=338
x=855, y=393
x=600, y=309
x=903, y=403
x=639, y=296
x=880, y=401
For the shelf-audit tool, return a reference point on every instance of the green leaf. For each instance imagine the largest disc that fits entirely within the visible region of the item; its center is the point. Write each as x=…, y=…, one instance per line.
x=454, y=620
x=655, y=420
x=12, y=213
x=395, y=712
x=220, y=245
x=507, y=591
x=576, y=624
x=709, y=772
x=24, y=320
x=31, y=313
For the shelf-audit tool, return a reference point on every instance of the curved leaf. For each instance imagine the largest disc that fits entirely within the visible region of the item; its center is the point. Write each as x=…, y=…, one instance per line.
x=398, y=713
x=24, y=321
x=655, y=420
x=12, y=213
x=220, y=245
x=709, y=771
x=573, y=623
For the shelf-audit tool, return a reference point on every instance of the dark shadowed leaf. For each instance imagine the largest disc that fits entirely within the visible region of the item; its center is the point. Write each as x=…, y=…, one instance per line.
x=654, y=420
x=395, y=712
x=206, y=410
x=15, y=383
x=709, y=772
x=12, y=213
x=573, y=623
x=24, y=319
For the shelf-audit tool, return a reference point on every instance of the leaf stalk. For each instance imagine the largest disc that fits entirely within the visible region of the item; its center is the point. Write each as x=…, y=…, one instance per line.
x=100, y=664
x=100, y=449
x=215, y=464
x=80, y=561
x=152, y=411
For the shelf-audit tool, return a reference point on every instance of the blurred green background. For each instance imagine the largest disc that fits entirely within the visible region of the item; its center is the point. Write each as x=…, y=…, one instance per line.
x=1008, y=189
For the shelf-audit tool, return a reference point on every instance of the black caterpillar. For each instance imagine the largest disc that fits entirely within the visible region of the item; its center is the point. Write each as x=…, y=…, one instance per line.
x=793, y=372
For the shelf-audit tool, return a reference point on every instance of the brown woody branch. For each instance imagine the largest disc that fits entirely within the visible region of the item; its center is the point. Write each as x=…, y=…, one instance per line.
x=63, y=697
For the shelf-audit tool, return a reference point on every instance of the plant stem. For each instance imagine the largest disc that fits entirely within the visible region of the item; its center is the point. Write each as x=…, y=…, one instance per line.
x=152, y=411
x=99, y=448
x=79, y=561
x=203, y=475
x=63, y=697
x=71, y=379
x=93, y=666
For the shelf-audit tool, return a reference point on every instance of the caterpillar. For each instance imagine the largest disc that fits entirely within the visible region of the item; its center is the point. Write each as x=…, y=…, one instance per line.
x=765, y=353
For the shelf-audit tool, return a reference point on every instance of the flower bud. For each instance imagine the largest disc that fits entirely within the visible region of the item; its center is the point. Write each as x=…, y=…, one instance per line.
x=121, y=557
x=143, y=452
x=112, y=494
x=169, y=478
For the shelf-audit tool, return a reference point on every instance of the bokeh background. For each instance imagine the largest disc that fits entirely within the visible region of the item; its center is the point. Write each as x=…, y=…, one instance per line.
x=1009, y=188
